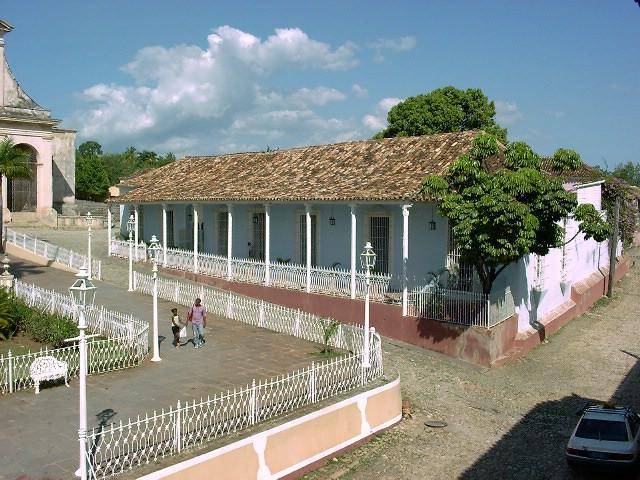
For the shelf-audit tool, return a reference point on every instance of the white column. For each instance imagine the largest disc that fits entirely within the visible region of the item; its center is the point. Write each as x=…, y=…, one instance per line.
x=136, y=231
x=156, y=340
x=353, y=250
x=89, y=250
x=164, y=234
x=405, y=257
x=307, y=208
x=229, y=240
x=195, y=238
x=267, y=243
x=82, y=431
x=109, y=230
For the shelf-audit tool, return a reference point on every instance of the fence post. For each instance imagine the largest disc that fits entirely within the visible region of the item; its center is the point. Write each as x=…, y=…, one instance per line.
x=71, y=258
x=488, y=316
x=178, y=429
x=24, y=241
x=261, y=314
x=35, y=245
x=177, y=290
x=312, y=382
x=46, y=255
x=296, y=328
x=10, y=372
x=252, y=403
x=135, y=280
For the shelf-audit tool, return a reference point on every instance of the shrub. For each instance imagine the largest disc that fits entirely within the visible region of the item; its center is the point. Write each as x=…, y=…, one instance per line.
x=42, y=326
x=8, y=326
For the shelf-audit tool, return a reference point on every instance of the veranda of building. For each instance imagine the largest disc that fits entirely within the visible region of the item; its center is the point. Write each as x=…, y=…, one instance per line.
x=299, y=218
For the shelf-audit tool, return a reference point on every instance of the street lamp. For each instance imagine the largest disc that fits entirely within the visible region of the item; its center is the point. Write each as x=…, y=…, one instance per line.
x=154, y=249
x=131, y=225
x=83, y=292
x=367, y=260
x=88, y=221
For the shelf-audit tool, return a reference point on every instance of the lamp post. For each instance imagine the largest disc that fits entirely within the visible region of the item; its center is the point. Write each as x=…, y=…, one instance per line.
x=83, y=293
x=154, y=249
x=368, y=260
x=88, y=221
x=131, y=223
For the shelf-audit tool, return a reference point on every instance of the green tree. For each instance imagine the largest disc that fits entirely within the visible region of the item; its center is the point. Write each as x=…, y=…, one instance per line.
x=446, y=109
x=498, y=216
x=13, y=164
x=629, y=172
x=615, y=189
x=92, y=179
x=89, y=149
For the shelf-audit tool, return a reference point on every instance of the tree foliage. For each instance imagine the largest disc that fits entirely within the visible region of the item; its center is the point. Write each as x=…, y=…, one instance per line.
x=500, y=215
x=97, y=171
x=615, y=189
x=629, y=172
x=13, y=164
x=446, y=109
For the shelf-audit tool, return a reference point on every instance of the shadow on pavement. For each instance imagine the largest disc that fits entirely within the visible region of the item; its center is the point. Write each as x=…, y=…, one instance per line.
x=534, y=447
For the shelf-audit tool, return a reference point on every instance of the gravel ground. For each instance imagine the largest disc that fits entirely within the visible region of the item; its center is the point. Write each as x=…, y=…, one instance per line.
x=511, y=422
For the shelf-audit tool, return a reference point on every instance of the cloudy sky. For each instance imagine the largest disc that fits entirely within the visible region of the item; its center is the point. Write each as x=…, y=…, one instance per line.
x=207, y=77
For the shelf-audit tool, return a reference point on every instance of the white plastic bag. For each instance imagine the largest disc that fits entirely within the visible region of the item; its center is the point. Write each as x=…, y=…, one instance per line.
x=183, y=332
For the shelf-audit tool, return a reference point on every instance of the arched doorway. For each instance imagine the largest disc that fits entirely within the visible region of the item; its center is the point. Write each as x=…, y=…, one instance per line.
x=22, y=193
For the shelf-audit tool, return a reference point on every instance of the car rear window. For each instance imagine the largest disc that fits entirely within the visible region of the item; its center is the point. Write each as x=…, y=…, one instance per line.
x=602, y=430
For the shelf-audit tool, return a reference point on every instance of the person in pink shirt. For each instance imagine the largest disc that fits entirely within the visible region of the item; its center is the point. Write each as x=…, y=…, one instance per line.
x=197, y=316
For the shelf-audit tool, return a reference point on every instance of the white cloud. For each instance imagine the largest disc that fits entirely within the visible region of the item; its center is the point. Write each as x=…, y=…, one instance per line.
x=401, y=44
x=191, y=99
x=359, y=91
x=507, y=113
x=378, y=120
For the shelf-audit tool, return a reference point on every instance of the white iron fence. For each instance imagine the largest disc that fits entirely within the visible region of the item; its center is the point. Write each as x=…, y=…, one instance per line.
x=328, y=281
x=120, y=248
x=254, y=312
x=53, y=252
x=119, y=447
x=126, y=345
x=465, y=308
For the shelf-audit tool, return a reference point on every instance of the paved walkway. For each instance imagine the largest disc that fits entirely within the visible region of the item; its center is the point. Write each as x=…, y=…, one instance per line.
x=38, y=436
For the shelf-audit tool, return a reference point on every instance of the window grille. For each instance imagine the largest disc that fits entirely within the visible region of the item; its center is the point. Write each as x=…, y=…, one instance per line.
x=379, y=237
x=460, y=274
x=141, y=223
x=22, y=193
x=257, y=246
x=223, y=229
x=170, y=237
x=303, y=239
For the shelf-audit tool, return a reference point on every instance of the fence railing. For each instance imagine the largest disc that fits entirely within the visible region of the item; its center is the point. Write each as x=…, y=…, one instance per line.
x=252, y=311
x=120, y=248
x=328, y=281
x=116, y=448
x=53, y=252
x=126, y=345
x=465, y=308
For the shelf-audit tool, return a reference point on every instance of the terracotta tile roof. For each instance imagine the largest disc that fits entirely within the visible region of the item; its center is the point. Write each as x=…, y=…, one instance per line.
x=385, y=169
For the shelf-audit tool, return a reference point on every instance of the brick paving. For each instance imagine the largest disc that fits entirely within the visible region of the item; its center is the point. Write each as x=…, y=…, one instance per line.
x=38, y=437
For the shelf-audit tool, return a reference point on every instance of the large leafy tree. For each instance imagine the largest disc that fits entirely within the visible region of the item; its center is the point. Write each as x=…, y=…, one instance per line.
x=504, y=208
x=442, y=110
x=13, y=164
x=629, y=172
x=92, y=179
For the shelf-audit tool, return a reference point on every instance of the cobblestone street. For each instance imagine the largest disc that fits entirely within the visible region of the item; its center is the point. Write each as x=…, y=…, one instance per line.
x=508, y=423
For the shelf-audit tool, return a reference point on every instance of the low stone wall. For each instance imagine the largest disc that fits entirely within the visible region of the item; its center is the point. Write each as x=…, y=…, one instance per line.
x=78, y=221
x=295, y=447
x=482, y=346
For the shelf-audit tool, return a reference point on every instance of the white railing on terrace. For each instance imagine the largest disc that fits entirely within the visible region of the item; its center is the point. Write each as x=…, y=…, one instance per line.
x=253, y=311
x=53, y=252
x=465, y=308
x=126, y=345
x=329, y=281
x=116, y=448
x=120, y=248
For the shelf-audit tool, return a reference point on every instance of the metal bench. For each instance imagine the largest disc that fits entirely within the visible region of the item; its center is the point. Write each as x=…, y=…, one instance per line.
x=48, y=368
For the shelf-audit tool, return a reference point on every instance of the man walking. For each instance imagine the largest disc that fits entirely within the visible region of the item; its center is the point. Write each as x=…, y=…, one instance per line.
x=198, y=317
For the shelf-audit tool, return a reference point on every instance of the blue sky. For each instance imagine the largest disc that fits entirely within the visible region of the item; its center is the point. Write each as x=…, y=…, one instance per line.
x=209, y=77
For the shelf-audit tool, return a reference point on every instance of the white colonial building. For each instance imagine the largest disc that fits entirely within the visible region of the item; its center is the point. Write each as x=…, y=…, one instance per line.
x=298, y=219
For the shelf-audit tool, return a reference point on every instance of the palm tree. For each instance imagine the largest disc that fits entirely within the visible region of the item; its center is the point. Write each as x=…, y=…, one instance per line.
x=13, y=164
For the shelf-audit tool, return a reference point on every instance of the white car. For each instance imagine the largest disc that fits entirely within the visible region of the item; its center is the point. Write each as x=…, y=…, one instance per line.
x=605, y=436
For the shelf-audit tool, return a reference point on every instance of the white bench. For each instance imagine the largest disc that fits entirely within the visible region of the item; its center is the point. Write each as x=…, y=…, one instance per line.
x=48, y=368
